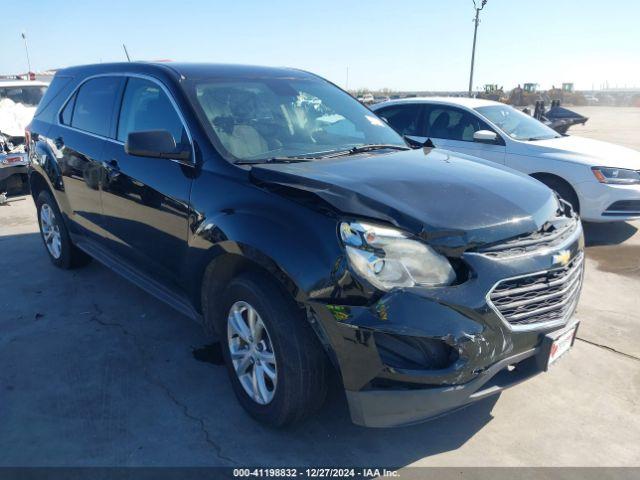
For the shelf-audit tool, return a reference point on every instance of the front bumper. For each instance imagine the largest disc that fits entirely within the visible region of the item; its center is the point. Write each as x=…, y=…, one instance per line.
x=598, y=201
x=457, y=346
x=392, y=408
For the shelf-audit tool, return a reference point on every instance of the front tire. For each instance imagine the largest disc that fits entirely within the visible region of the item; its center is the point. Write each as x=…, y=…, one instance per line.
x=276, y=364
x=62, y=252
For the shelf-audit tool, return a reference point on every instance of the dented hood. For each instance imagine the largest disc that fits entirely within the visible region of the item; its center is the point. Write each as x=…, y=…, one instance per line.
x=442, y=196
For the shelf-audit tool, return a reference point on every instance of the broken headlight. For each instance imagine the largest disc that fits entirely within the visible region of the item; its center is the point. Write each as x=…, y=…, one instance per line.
x=389, y=258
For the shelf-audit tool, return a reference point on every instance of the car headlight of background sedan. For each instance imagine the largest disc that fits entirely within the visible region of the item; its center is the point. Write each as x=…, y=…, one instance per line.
x=389, y=258
x=618, y=176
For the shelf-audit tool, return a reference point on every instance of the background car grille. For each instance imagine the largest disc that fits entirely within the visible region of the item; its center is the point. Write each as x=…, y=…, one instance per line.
x=551, y=234
x=539, y=298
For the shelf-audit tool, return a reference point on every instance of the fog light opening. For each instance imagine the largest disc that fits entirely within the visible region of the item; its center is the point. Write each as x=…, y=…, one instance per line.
x=414, y=353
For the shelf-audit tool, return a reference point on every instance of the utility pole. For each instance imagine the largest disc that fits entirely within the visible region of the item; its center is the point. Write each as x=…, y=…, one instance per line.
x=26, y=48
x=475, y=35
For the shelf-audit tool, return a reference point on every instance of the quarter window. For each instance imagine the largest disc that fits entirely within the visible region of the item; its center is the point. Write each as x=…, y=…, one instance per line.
x=145, y=107
x=67, y=112
x=94, y=105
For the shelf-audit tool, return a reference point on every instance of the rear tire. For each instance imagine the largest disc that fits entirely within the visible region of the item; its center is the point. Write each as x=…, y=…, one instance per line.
x=62, y=252
x=300, y=364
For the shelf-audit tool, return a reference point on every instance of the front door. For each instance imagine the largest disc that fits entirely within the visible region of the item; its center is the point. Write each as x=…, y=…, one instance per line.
x=146, y=200
x=453, y=128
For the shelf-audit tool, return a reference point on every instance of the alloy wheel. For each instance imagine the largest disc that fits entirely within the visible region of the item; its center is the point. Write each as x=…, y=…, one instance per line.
x=50, y=231
x=252, y=353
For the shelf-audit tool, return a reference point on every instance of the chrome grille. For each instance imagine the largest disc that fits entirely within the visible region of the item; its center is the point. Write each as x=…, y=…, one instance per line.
x=550, y=235
x=539, y=298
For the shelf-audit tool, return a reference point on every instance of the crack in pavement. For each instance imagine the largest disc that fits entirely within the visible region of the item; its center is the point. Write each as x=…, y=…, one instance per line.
x=606, y=347
x=185, y=410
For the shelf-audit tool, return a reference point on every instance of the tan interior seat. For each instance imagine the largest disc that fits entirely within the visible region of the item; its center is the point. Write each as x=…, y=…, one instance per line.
x=245, y=141
x=241, y=140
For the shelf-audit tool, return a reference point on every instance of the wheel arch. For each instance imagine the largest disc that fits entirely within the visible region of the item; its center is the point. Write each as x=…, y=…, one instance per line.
x=225, y=262
x=542, y=176
x=37, y=184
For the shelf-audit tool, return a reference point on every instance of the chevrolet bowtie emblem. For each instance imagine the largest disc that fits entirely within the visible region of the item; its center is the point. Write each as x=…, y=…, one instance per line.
x=562, y=258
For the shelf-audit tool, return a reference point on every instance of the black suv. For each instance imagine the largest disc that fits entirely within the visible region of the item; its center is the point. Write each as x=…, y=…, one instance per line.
x=304, y=233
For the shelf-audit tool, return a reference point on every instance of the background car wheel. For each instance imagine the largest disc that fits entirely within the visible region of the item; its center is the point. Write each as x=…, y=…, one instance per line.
x=55, y=236
x=563, y=189
x=277, y=366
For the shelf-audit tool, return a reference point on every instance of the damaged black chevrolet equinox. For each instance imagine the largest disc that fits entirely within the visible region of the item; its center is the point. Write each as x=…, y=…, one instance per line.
x=303, y=232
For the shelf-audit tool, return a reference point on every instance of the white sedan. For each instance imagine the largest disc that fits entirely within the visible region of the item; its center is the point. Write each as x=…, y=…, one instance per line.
x=600, y=180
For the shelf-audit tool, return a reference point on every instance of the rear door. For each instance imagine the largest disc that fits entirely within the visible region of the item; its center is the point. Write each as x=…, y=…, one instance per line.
x=452, y=128
x=146, y=200
x=79, y=137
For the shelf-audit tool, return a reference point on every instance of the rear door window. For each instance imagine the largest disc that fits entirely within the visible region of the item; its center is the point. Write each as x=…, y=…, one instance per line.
x=94, y=105
x=145, y=106
x=405, y=119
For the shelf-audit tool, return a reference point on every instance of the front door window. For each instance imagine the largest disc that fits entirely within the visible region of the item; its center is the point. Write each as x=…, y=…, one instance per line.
x=452, y=124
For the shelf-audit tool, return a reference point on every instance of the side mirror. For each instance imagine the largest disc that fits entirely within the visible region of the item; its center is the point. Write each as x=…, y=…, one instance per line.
x=155, y=144
x=485, y=136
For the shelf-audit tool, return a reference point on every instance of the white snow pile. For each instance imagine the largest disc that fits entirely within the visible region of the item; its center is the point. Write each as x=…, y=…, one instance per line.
x=14, y=117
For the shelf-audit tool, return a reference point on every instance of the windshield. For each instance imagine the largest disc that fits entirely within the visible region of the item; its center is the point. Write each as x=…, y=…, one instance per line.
x=263, y=118
x=516, y=124
x=29, y=96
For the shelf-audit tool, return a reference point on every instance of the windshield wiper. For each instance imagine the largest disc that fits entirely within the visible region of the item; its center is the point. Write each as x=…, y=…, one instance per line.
x=377, y=146
x=535, y=139
x=331, y=154
x=367, y=148
x=274, y=160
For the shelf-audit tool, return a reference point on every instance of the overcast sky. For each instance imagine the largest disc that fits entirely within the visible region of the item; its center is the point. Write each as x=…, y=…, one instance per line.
x=401, y=44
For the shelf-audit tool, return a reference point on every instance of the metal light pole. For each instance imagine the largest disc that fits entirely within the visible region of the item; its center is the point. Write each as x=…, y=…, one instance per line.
x=475, y=35
x=24, y=37
x=126, y=52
